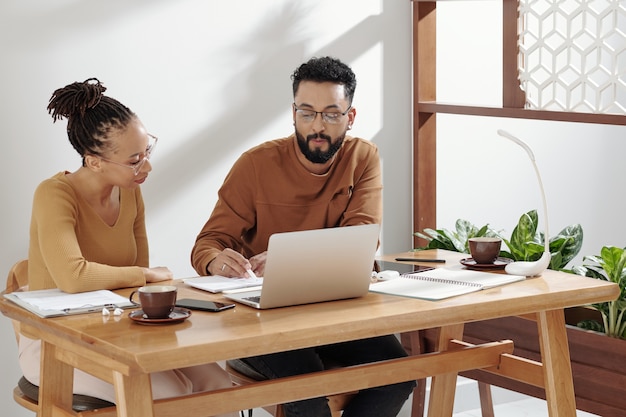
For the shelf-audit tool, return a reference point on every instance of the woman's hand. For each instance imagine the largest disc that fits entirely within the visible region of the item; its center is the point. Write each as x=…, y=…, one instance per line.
x=157, y=274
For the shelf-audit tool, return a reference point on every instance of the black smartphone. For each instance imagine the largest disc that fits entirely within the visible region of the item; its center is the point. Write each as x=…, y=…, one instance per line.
x=203, y=305
x=402, y=268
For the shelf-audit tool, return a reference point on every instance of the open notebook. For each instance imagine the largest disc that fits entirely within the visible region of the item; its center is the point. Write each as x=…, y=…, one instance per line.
x=441, y=283
x=54, y=302
x=315, y=265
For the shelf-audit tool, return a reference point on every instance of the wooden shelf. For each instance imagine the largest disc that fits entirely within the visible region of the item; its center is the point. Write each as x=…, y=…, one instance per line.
x=557, y=116
x=426, y=106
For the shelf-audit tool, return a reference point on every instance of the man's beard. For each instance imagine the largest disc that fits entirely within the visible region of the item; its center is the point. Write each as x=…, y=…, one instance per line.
x=317, y=156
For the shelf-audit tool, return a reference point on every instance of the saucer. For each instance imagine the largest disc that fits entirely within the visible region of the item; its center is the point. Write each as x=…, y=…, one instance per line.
x=499, y=263
x=176, y=316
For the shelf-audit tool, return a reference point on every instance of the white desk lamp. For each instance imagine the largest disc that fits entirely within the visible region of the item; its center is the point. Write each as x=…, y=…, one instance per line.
x=527, y=268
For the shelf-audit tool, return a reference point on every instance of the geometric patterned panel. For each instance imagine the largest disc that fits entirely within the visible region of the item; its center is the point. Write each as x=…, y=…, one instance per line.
x=573, y=55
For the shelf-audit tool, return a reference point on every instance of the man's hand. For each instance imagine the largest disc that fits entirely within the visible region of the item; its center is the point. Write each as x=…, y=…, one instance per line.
x=258, y=263
x=229, y=264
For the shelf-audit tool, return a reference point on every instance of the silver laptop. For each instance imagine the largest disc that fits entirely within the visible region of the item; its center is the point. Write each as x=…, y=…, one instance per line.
x=315, y=265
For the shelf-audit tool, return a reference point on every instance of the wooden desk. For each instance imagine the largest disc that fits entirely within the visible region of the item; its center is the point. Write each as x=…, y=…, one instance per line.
x=124, y=353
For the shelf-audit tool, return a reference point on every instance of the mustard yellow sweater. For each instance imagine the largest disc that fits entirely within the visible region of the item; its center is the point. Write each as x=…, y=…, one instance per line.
x=73, y=249
x=269, y=191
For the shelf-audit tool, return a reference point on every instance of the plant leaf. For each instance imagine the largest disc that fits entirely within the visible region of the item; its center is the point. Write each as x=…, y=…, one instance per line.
x=572, y=241
x=523, y=235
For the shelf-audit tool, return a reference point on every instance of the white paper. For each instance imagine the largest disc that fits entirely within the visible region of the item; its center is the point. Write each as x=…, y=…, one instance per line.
x=217, y=283
x=54, y=302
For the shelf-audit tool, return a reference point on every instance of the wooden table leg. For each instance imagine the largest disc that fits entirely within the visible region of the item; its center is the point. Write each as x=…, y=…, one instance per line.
x=486, y=401
x=57, y=382
x=443, y=387
x=556, y=364
x=133, y=395
x=413, y=344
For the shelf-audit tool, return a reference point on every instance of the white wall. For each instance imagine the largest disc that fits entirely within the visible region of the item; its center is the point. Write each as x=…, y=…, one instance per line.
x=211, y=79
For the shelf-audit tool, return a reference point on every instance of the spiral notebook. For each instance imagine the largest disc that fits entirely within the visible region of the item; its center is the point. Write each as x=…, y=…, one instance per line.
x=441, y=283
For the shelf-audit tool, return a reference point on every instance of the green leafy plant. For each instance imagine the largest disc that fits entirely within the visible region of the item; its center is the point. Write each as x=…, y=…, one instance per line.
x=525, y=243
x=458, y=240
x=610, y=266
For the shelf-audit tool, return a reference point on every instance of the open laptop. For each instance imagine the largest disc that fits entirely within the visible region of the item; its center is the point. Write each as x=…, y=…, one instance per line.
x=315, y=265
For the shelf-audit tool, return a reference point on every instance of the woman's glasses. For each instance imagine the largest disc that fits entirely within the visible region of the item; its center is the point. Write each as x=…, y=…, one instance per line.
x=136, y=166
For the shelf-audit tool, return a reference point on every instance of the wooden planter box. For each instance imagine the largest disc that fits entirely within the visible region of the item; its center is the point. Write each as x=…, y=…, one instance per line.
x=598, y=361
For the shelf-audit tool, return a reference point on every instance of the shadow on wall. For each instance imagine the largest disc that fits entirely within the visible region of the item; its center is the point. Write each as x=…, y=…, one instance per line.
x=278, y=49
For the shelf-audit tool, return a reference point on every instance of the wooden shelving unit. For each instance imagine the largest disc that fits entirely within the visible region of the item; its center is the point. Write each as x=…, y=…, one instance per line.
x=425, y=110
x=426, y=107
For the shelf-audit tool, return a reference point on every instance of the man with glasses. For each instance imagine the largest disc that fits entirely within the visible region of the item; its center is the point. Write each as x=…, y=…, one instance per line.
x=318, y=177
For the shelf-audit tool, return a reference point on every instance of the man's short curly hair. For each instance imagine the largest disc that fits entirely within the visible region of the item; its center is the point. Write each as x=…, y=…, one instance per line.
x=326, y=69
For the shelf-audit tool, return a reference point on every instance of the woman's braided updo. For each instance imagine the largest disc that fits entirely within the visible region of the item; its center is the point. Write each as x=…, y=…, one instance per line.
x=91, y=116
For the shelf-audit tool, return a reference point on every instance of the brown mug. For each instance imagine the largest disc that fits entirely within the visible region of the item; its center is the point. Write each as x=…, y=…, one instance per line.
x=156, y=301
x=485, y=250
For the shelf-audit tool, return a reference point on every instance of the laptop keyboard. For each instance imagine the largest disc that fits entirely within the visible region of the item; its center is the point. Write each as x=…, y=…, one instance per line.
x=254, y=299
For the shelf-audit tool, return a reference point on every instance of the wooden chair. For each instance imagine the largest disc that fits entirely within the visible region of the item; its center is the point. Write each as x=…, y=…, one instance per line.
x=243, y=374
x=27, y=394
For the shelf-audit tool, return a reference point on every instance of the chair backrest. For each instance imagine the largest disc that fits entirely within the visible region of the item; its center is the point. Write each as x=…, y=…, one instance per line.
x=17, y=280
x=18, y=276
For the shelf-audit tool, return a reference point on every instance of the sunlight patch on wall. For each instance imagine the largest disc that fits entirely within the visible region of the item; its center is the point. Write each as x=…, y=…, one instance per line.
x=369, y=100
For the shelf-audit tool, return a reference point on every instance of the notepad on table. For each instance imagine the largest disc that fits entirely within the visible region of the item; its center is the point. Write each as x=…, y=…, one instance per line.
x=54, y=302
x=441, y=283
x=217, y=283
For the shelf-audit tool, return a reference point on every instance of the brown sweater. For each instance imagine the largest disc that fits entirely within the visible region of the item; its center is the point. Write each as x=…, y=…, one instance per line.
x=269, y=191
x=73, y=249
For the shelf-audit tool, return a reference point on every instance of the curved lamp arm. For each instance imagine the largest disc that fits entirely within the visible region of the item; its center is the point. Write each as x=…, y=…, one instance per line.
x=537, y=267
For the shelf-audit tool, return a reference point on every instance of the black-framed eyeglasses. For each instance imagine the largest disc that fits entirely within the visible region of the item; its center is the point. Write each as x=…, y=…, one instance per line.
x=330, y=117
x=136, y=166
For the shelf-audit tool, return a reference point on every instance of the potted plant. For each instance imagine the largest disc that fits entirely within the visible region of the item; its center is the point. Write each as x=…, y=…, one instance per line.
x=610, y=265
x=525, y=243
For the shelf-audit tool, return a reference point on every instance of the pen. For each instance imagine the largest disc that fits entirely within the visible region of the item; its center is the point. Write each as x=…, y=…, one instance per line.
x=88, y=309
x=438, y=261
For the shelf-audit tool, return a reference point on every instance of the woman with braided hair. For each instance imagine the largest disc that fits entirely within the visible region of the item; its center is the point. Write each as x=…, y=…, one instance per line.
x=88, y=229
